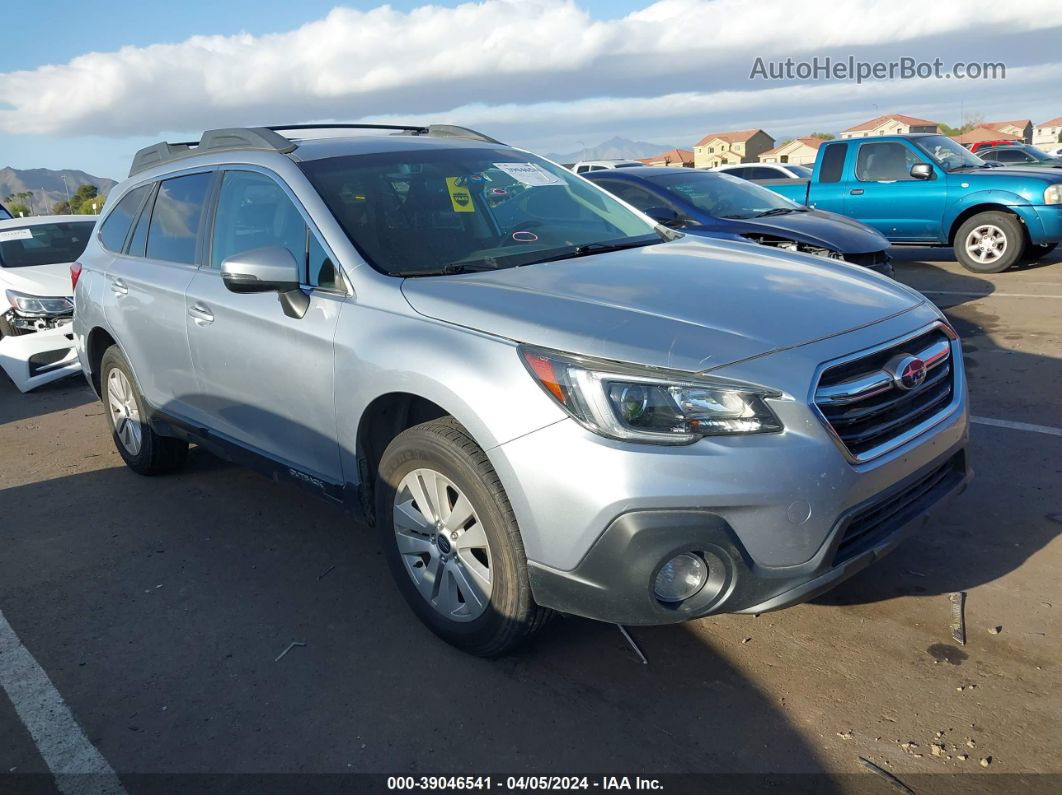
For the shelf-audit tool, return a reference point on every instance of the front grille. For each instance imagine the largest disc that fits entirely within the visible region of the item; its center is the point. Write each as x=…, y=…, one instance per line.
x=868, y=407
x=870, y=525
x=879, y=261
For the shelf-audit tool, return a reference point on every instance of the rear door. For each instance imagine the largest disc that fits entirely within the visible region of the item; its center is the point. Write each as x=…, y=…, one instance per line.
x=266, y=380
x=146, y=284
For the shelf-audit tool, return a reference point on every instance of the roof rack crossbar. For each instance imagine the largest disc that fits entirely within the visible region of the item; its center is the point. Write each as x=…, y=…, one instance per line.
x=269, y=139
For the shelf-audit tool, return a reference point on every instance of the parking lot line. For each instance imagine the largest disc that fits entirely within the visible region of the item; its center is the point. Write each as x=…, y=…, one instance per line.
x=76, y=764
x=1017, y=426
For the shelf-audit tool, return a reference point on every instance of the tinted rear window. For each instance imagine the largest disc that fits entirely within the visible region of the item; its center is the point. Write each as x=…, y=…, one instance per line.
x=174, y=229
x=833, y=163
x=44, y=244
x=115, y=228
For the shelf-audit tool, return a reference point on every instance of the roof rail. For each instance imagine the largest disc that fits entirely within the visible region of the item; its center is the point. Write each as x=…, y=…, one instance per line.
x=268, y=139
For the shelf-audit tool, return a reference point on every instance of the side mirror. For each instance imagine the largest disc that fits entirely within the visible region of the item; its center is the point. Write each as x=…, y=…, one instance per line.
x=922, y=171
x=266, y=270
x=665, y=216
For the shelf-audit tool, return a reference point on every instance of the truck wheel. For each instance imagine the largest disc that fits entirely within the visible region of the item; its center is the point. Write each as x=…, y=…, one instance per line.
x=452, y=541
x=989, y=242
x=1036, y=253
x=144, y=451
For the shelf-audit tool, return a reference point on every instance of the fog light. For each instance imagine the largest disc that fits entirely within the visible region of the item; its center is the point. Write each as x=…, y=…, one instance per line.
x=680, y=578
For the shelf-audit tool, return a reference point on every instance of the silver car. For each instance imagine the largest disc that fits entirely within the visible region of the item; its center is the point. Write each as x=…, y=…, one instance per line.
x=541, y=400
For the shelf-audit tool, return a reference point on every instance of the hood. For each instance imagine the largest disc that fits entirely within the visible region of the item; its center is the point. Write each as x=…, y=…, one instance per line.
x=689, y=304
x=1049, y=174
x=814, y=227
x=51, y=281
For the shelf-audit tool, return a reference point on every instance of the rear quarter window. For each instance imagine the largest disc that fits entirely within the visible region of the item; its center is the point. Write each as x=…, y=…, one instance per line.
x=833, y=163
x=115, y=227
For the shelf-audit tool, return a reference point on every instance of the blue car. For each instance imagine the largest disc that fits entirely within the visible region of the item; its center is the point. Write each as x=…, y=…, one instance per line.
x=715, y=204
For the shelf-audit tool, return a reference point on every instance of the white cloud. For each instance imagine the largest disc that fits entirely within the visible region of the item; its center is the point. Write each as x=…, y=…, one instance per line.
x=548, y=55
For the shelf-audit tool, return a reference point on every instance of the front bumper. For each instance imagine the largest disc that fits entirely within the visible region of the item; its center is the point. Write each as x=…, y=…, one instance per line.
x=614, y=581
x=40, y=357
x=1043, y=222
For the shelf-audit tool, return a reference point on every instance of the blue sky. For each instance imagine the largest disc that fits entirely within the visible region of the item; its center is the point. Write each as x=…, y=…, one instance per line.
x=550, y=75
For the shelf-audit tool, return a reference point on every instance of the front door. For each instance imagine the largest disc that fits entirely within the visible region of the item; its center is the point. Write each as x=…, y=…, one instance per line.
x=885, y=196
x=266, y=379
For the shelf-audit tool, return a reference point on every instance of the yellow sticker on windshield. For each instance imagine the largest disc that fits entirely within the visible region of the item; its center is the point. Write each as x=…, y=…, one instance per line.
x=460, y=198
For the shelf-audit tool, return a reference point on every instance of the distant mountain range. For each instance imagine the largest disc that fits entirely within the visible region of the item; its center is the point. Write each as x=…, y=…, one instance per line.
x=613, y=149
x=46, y=187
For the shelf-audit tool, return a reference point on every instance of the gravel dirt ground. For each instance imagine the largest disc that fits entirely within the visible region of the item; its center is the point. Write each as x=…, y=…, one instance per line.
x=157, y=608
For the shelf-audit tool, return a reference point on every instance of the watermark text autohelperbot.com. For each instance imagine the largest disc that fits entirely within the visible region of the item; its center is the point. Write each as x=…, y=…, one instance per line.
x=851, y=68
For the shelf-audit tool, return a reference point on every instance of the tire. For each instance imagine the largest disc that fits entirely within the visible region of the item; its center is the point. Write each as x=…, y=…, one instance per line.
x=475, y=597
x=126, y=414
x=1004, y=237
x=1035, y=253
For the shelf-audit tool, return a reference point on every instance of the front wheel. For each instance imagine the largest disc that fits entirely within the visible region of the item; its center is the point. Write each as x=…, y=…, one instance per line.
x=452, y=540
x=989, y=242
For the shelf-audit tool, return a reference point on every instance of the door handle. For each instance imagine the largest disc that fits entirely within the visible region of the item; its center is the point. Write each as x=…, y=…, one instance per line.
x=200, y=314
x=118, y=287
x=857, y=192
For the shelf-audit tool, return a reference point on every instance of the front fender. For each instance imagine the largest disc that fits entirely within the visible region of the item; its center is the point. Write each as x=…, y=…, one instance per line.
x=1005, y=198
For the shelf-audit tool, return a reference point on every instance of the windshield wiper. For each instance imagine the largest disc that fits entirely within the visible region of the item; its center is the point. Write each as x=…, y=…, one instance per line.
x=595, y=248
x=778, y=211
x=448, y=269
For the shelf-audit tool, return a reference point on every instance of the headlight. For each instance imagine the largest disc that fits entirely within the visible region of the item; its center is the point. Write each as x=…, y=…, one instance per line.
x=1053, y=194
x=38, y=306
x=647, y=405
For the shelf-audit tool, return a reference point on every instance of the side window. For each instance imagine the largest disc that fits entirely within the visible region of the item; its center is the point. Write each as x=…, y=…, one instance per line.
x=255, y=212
x=632, y=194
x=115, y=228
x=988, y=154
x=833, y=163
x=582, y=169
x=1012, y=156
x=884, y=162
x=764, y=173
x=743, y=173
x=174, y=227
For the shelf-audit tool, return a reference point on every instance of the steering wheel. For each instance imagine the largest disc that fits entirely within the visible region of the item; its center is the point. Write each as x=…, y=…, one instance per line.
x=520, y=234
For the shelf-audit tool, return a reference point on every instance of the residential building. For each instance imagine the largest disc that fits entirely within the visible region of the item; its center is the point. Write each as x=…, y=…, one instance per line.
x=984, y=133
x=1022, y=129
x=1048, y=132
x=799, y=151
x=672, y=158
x=891, y=124
x=738, y=146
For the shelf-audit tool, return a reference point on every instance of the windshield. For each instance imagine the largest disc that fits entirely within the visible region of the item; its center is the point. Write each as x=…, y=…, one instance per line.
x=948, y=154
x=4, y=214
x=426, y=211
x=44, y=244
x=1034, y=153
x=723, y=195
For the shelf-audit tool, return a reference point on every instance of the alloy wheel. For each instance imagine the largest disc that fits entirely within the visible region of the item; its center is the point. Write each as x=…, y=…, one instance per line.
x=125, y=416
x=986, y=243
x=443, y=545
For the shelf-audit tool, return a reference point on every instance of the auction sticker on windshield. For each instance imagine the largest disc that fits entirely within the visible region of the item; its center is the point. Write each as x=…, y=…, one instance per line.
x=16, y=234
x=530, y=174
x=460, y=198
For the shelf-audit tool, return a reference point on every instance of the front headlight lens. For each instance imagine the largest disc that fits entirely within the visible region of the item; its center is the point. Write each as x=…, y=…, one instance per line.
x=1053, y=194
x=645, y=405
x=39, y=306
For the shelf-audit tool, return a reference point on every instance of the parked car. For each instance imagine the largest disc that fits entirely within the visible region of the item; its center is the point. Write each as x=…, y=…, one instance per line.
x=1052, y=151
x=719, y=205
x=765, y=170
x=979, y=146
x=36, y=346
x=1020, y=155
x=583, y=166
x=541, y=399
x=924, y=188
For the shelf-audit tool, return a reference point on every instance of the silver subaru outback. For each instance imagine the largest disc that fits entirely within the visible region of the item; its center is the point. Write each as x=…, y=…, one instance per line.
x=543, y=401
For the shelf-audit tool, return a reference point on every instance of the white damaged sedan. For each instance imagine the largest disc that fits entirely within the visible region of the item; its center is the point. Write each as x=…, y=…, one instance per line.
x=36, y=346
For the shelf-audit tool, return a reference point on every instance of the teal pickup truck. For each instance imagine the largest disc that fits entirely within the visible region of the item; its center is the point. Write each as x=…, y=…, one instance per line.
x=928, y=190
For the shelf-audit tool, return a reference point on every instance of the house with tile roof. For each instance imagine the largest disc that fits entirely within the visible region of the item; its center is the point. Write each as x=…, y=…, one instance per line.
x=891, y=124
x=982, y=134
x=1048, y=132
x=736, y=146
x=672, y=158
x=1022, y=129
x=799, y=151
